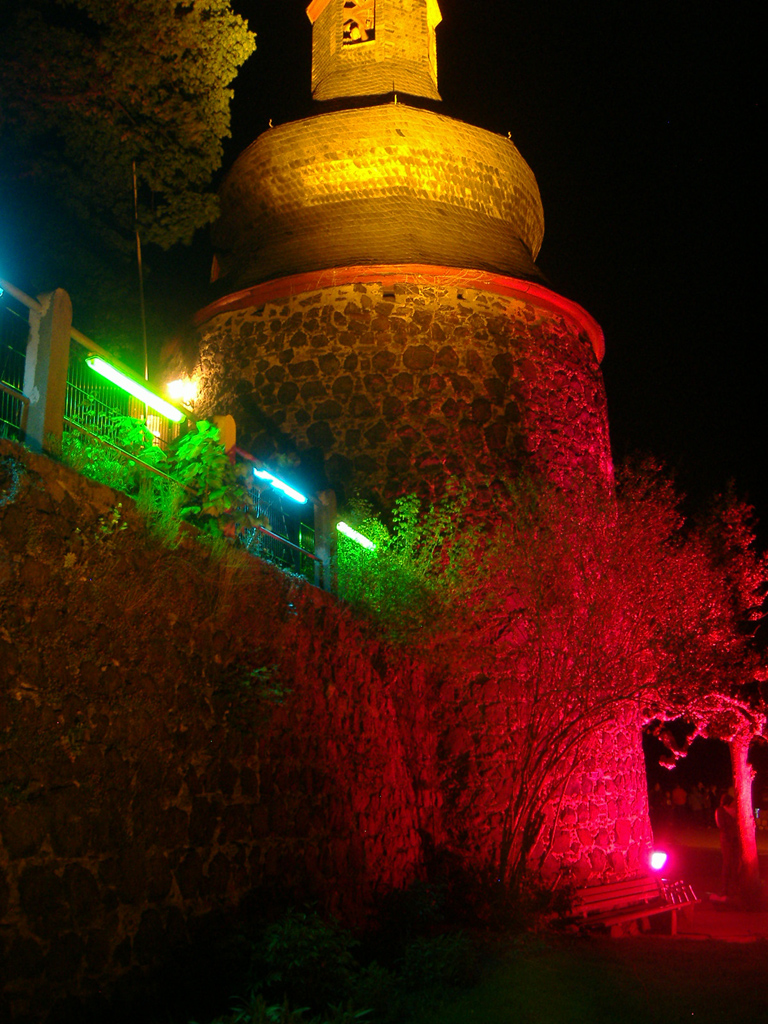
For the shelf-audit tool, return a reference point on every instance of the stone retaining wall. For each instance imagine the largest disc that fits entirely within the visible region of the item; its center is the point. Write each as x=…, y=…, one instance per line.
x=176, y=733
x=184, y=733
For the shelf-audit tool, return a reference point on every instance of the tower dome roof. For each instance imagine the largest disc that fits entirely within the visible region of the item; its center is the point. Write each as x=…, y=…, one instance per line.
x=380, y=181
x=384, y=184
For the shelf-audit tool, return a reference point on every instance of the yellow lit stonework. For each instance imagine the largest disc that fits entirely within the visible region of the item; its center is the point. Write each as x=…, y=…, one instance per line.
x=374, y=48
x=434, y=17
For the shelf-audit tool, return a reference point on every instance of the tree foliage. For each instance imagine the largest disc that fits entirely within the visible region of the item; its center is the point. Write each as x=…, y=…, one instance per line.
x=196, y=482
x=90, y=86
x=87, y=88
x=559, y=627
x=399, y=581
x=571, y=611
x=725, y=701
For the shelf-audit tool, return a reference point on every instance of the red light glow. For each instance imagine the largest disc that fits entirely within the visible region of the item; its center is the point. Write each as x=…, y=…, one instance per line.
x=658, y=860
x=390, y=274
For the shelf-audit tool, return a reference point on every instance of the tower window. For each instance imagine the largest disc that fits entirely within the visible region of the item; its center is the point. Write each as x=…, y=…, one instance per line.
x=359, y=24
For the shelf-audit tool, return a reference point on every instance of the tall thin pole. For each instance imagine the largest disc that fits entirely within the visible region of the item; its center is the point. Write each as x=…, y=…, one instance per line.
x=141, y=272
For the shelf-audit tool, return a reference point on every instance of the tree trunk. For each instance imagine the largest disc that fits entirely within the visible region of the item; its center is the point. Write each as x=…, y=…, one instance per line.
x=749, y=876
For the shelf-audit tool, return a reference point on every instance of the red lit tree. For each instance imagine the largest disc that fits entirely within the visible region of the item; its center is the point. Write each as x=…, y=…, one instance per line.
x=572, y=612
x=714, y=680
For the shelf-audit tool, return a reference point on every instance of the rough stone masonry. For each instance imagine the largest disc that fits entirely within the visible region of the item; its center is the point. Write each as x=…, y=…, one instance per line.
x=399, y=386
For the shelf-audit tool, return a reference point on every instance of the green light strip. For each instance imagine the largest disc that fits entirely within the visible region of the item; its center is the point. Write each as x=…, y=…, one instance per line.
x=134, y=388
x=358, y=538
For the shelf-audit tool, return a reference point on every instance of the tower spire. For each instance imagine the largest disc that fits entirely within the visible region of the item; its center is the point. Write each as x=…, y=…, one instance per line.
x=374, y=48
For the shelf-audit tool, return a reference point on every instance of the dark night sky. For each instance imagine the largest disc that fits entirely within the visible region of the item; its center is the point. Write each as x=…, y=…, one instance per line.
x=641, y=123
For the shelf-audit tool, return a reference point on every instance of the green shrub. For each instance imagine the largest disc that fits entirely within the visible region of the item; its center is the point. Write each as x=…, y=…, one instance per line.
x=255, y=1010
x=376, y=988
x=214, y=499
x=411, y=567
x=200, y=484
x=420, y=909
x=105, y=464
x=527, y=905
x=308, y=960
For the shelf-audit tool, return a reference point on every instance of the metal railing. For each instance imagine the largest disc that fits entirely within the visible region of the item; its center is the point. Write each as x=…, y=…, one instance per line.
x=76, y=427
x=14, y=327
x=93, y=403
x=12, y=401
x=289, y=541
x=98, y=410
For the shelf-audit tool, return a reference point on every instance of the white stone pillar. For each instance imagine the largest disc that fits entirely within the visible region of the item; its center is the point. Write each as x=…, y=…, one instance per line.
x=45, y=371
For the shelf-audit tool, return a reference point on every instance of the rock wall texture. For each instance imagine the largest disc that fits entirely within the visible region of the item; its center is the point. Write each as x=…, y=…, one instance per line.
x=398, y=385
x=183, y=733
x=602, y=826
x=150, y=772
x=597, y=826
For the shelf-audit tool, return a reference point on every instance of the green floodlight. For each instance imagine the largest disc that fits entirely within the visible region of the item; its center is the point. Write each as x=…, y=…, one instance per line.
x=358, y=538
x=122, y=380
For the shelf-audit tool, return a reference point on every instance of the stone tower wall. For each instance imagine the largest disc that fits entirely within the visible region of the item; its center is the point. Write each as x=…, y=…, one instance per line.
x=597, y=828
x=403, y=383
x=603, y=828
x=386, y=323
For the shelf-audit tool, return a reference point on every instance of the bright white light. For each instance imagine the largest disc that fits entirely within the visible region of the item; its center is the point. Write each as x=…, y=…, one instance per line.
x=264, y=474
x=182, y=390
x=355, y=536
x=658, y=860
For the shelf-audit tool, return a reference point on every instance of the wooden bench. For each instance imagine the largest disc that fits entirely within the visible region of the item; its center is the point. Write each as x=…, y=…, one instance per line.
x=616, y=905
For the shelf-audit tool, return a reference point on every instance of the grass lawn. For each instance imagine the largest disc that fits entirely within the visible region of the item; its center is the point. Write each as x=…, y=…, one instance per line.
x=602, y=981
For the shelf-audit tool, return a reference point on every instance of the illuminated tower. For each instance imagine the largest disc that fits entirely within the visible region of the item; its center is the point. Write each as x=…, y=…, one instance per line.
x=386, y=322
x=385, y=317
